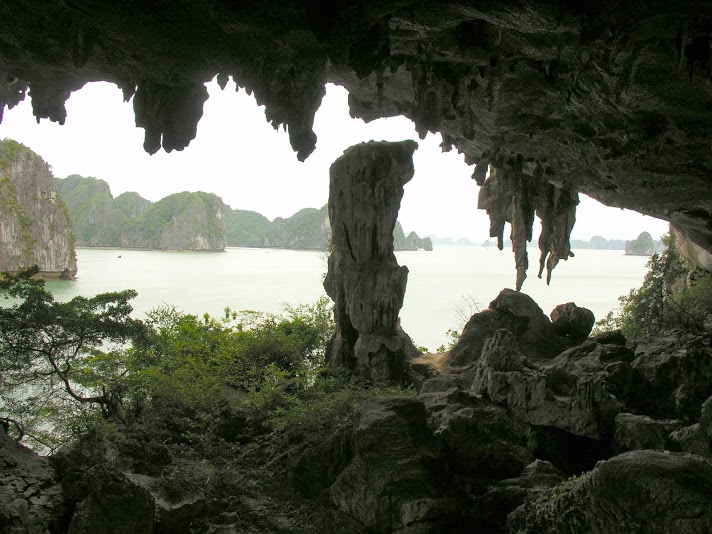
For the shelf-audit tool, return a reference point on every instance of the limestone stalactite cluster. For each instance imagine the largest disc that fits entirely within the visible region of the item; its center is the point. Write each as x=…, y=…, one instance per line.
x=608, y=99
x=364, y=279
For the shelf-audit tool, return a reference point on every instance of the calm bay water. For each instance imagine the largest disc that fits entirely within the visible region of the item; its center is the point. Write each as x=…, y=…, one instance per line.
x=442, y=285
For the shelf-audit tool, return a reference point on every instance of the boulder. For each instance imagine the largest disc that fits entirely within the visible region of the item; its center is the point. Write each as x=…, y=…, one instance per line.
x=31, y=499
x=675, y=369
x=517, y=312
x=610, y=337
x=572, y=321
x=108, y=502
x=581, y=404
x=477, y=437
x=697, y=438
x=396, y=479
x=638, y=491
x=641, y=432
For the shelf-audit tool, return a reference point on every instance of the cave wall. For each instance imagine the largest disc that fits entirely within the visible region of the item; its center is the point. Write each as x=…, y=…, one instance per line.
x=609, y=99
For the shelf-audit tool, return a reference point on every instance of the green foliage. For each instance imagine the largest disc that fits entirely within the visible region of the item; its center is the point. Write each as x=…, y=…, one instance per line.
x=453, y=337
x=664, y=300
x=54, y=374
x=192, y=373
x=642, y=245
x=245, y=228
x=10, y=151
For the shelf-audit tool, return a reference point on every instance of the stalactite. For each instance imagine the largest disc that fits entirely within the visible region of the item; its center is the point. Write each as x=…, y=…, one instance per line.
x=515, y=197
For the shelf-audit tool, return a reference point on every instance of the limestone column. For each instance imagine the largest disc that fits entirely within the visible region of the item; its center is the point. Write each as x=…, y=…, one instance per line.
x=364, y=279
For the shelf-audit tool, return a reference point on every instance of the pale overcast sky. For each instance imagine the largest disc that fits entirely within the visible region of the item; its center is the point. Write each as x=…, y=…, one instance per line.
x=239, y=157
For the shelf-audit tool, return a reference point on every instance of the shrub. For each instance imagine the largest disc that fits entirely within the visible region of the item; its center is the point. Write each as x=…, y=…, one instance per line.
x=664, y=300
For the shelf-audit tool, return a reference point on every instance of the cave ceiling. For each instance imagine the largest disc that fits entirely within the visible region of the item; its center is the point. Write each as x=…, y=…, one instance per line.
x=612, y=99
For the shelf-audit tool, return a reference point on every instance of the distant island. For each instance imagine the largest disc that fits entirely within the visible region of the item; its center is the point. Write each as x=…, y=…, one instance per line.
x=182, y=221
x=643, y=245
x=193, y=221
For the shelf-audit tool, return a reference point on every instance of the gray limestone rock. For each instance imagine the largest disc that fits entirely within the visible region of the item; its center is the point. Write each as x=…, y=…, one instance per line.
x=364, y=279
x=697, y=438
x=572, y=321
x=108, y=503
x=395, y=479
x=648, y=491
x=580, y=403
x=31, y=500
x=34, y=226
x=516, y=312
x=676, y=374
x=641, y=432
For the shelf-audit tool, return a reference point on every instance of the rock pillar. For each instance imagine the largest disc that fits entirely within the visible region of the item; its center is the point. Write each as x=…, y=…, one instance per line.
x=364, y=279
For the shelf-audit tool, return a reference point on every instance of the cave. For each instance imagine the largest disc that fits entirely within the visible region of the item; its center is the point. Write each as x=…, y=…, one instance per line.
x=546, y=101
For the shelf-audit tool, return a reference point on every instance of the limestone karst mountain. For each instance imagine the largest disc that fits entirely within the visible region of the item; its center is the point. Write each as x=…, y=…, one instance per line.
x=183, y=221
x=307, y=229
x=34, y=225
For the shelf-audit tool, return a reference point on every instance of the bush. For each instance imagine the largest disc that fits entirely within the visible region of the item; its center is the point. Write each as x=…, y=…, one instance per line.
x=664, y=300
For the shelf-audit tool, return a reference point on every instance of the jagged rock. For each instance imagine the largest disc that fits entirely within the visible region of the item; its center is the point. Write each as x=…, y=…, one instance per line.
x=478, y=437
x=34, y=227
x=610, y=337
x=571, y=321
x=108, y=502
x=31, y=499
x=364, y=279
x=504, y=497
x=641, y=432
x=396, y=479
x=581, y=404
x=676, y=371
x=556, y=98
x=517, y=313
x=638, y=491
x=697, y=438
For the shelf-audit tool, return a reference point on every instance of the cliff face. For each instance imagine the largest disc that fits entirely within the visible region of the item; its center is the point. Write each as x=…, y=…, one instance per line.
x=34, y=225
x=96, y=221
x=184, y=221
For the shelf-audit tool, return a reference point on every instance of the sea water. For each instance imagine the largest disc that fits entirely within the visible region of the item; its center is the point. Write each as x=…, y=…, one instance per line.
x=445, y=286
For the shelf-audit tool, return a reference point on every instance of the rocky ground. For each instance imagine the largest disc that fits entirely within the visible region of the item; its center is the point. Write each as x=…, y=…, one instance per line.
x=527, y=425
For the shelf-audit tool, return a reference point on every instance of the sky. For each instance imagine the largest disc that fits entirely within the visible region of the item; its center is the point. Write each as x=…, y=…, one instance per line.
x=238, y=156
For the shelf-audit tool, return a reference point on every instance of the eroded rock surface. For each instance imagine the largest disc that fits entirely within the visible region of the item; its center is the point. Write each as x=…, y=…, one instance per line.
x=639, y=491
x=536, y=336
x=31, y=500
x=395, y=478
x=34, y=227
x=364, y=279
x=557, y=98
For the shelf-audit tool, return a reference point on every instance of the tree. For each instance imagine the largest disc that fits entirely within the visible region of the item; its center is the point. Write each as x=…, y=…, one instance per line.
x=664, y=300
x=50, y=357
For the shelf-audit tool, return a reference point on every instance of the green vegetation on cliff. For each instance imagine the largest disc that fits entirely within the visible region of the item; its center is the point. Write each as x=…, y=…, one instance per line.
x=245, y=228
x=641, y=246
x=34, y=222
x=668, y=298
x=183, y=221
x=96, y=221
x=193, y=221
x=307, y=229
